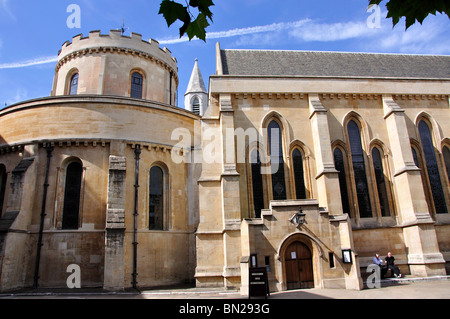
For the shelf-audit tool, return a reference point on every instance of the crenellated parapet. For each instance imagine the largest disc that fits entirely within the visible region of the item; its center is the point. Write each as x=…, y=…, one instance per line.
x=117, y=43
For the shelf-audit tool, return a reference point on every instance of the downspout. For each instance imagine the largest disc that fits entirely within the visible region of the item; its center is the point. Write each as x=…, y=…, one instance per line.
x=48, y=147
x=170, y=87
x=137, y=153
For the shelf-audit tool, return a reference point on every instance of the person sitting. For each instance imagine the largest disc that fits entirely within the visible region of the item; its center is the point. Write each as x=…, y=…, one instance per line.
x=378, y=261
x=390, y=264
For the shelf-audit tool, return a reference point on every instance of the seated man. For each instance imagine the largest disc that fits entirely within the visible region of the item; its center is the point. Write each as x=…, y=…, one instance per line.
x=391, y=265
x=378, y=261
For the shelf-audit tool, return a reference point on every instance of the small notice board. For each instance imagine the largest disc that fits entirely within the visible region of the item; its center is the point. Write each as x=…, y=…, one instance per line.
x=258, y=283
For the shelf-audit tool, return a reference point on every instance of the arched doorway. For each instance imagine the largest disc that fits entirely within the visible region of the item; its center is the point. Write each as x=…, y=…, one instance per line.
x=299, y=266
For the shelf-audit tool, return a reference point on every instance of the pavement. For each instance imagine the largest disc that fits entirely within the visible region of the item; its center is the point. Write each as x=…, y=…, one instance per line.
x=396, y=288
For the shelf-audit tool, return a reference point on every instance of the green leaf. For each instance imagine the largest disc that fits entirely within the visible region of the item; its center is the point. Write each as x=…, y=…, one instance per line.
x=172, y=11
x=203, y=6
x=413, y=10
x=197, y=28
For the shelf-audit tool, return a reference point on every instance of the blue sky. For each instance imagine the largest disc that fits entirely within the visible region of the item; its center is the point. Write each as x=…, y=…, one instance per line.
x=32, y=32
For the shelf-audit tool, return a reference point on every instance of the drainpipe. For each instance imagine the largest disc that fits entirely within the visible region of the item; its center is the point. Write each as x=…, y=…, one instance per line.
x=137, y=153
x=170, y=87
x=48, y=147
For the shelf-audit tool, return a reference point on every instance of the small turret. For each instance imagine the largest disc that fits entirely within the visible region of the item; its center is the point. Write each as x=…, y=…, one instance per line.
x=196, y=97
x=113, y=64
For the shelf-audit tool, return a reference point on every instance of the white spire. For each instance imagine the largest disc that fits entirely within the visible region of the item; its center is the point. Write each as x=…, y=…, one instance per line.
x=196, y=97
x=196, y=84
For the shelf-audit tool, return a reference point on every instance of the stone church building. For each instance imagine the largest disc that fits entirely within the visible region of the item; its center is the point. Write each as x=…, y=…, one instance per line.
x=305, y=163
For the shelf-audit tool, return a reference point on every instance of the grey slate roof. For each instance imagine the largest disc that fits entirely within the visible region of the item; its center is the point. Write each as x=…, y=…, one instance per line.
x=334, y=64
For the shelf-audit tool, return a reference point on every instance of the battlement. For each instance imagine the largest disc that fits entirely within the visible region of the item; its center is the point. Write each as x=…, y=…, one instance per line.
x=116, y=42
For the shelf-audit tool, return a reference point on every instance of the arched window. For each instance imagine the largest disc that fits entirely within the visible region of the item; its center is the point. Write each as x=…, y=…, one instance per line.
x=257, y=183
x=137, y=82
x=72, y=195
x=340, y=167
x=156, y=199
x=381, y=182
x=196, y=105
x=276, y=161
x=299, y=176
x=359, y=170
x=446, y=154
x=3, y=177
x=432, y=168
x=415, y=157
x=74, y=84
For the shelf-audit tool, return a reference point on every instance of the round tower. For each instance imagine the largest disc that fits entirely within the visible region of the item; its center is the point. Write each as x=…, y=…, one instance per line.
x=118, y=65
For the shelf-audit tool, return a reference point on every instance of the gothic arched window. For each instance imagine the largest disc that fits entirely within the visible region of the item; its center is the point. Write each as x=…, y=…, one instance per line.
x=299, y=176
x=257, y=183
x=359, y=170
x=276, y=161
x=196, y=105
x=340, y=167
x=432, y=168
x=415, y=157
x=446, y=154
x=137, y=82
x=381, y=182
x=156, y=199
x=3, y=176
x=72, y=195
x=74, y=84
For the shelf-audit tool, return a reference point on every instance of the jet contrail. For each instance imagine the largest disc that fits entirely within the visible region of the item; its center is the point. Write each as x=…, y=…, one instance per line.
x=211, y=35
x=304, y=29
x=23, y=64
x=243, y=31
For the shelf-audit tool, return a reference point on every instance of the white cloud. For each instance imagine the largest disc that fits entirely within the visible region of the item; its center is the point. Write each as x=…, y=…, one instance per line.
x=325, y=32
x=33, y=62
x=429, y=38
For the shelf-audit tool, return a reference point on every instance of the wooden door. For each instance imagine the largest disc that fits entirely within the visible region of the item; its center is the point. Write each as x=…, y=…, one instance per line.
x=299, y=267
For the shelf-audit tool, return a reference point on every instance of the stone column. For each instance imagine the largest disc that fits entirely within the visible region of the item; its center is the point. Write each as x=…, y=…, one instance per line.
x=424, y=257
x=209, y=234
x=115, y=225
x=327, y=176
x=218, y=235
x=231, y=208
x=329, y=194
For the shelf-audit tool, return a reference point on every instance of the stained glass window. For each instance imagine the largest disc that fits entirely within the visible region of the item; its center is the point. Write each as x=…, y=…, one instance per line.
x=340, y=167
x=381, y=182
x=156, y=200
x=257, y=183
x=74, y=84
x=136, y=85
x=446, y=153
x=432, y=168
x=72, y=195
x=299, y=176
x=276, y=161
x=359, y=170
x=3, y=177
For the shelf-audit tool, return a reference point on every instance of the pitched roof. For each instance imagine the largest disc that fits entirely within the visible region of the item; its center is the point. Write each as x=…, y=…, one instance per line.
x=334, y=64
x=196, y=84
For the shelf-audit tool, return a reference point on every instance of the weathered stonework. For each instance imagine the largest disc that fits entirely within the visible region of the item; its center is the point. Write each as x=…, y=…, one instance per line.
x=164, y=196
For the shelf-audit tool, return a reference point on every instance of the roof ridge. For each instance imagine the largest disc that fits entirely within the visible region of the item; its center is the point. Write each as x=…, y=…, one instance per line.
x=338, y=52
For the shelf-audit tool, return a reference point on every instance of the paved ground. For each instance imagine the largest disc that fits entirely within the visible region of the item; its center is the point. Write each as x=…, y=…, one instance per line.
x=408, y=288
